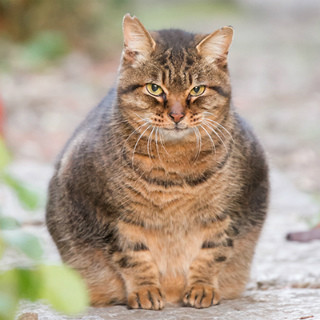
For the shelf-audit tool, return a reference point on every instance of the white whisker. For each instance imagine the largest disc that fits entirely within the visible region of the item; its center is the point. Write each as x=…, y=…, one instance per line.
x=149, y=143
x=217, y=124
x=198, y=137
x=135, y=130
x=135, y=146
x=208, y=125
x=212, y=142
x=145, y=119
x=156, y=140
x=162, y=142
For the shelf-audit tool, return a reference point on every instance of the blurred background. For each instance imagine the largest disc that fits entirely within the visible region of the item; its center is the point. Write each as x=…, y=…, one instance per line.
x=59, y=58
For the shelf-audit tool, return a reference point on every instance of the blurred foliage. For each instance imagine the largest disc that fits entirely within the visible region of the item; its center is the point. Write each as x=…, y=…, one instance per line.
x=61, y=286
x=48, y=29
x=84, y=24
x=45, y=46
x=27, y=198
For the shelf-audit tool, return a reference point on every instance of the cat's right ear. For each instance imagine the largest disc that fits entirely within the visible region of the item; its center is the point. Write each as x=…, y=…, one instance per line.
x=138, y=43
x=215, y=46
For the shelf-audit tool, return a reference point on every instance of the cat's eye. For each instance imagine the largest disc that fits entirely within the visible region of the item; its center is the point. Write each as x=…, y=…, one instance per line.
x=154, y=89
x=197, y=91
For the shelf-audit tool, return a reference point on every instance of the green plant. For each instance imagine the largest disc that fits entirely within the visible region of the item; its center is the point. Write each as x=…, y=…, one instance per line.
x=59, y=285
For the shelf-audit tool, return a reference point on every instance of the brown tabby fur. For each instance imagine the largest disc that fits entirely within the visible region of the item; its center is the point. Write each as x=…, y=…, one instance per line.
x=149, y=209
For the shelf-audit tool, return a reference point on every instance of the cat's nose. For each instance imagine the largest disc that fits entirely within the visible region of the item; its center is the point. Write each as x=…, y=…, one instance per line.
x=177, y=117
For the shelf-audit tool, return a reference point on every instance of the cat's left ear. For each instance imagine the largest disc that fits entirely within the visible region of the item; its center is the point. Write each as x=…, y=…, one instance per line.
x=215, y=46
x=138, y=43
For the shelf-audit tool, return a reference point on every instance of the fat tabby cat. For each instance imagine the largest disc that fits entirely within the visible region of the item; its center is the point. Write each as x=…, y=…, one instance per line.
x=161, y=193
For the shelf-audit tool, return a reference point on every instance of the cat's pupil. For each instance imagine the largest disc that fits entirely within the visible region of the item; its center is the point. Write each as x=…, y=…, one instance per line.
x=196, y=89
x=154, y=87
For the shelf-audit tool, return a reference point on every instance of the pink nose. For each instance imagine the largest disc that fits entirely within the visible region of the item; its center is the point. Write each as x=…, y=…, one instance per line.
x=177, y=117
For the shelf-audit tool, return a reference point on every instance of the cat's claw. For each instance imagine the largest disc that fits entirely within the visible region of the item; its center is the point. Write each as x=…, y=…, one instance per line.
x=147, y=297
x=200, y=296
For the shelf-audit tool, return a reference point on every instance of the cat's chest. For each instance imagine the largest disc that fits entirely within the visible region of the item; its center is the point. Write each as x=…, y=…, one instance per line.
x=174, y=206
x=174, y=252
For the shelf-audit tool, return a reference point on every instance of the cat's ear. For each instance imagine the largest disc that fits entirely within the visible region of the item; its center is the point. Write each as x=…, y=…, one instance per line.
x=215, y=46
x=138, y=43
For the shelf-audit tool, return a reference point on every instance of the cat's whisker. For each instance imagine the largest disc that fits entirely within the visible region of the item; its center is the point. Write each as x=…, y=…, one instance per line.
x=217, y=128
x=198, y=135
x=197, y=138
x=134, y=131
x=208, y=134
x=156, y=140
x=135, y=146
x=217, y=124
x=207, y=124
x=149, y=143
x=144, y=119
x=162, y=142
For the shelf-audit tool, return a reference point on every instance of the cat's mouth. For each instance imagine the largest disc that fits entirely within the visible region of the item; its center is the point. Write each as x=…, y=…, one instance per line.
x=177, y=127
x=176, y=132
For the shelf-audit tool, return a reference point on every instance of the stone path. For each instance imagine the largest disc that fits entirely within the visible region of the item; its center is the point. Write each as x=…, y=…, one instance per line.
x=285, y=282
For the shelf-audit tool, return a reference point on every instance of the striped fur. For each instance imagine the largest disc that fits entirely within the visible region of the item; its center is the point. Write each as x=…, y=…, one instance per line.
x=149, y=210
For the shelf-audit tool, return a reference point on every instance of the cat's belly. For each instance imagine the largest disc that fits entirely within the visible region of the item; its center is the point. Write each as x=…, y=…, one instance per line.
x=173, y=254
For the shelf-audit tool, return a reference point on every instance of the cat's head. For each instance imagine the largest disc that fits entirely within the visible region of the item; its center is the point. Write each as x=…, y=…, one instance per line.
x=174, y=80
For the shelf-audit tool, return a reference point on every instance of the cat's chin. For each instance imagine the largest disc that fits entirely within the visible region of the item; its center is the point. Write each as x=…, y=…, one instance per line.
x=176, y=134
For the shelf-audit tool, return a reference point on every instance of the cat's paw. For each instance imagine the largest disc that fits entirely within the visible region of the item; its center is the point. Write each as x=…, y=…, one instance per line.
x=147, y=297
x=200, y=296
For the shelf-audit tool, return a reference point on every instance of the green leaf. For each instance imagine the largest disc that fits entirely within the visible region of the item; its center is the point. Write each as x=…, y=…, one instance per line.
x=9, y=297
x=29, y=284
x=5, y=157
x=8, y=223
x=17, y=284
x=61, y=286
x=28, y=198
x=8, y=305
x=64, y=289
x=2, y=247
x=23, y=241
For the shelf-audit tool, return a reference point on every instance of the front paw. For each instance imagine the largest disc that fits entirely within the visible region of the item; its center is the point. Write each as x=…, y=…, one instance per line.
x=146, y=297
x=200, y=296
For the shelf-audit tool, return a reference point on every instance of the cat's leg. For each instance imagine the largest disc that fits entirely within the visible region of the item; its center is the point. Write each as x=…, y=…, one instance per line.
x=141, y=277
x=203, y=279
x=105, y=285
x=220, y=271
x=138, y=269
x=236, y=271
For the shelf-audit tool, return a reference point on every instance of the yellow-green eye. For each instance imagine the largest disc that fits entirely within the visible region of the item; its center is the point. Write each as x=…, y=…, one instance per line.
x=154, y=89
x=197, y=91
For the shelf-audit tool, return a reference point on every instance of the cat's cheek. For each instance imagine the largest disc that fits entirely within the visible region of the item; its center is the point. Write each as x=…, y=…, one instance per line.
x=135, y=103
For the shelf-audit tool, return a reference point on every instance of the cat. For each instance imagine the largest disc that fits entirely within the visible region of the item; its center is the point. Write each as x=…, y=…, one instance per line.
x=161, y=193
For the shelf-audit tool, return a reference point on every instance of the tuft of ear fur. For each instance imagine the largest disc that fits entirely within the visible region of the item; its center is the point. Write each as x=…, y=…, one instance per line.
x=138, y=43
x=215, y=46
